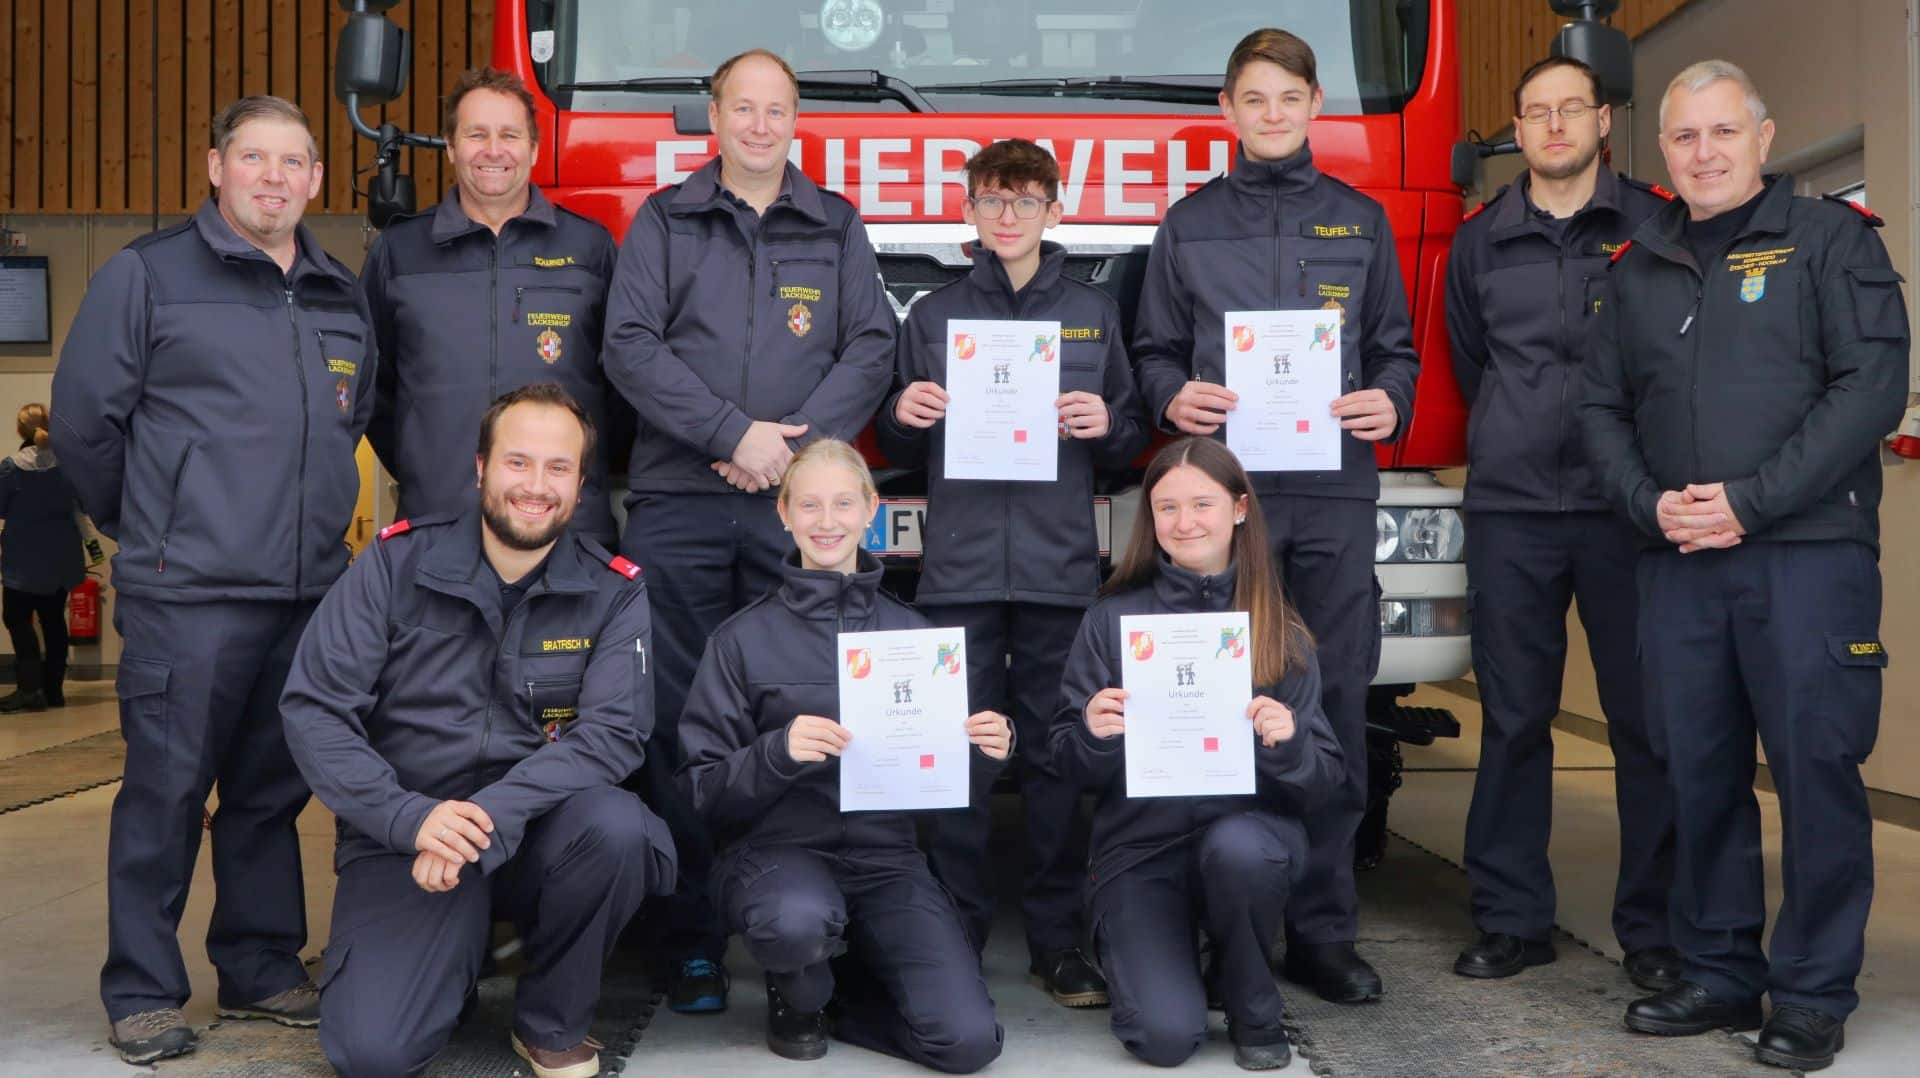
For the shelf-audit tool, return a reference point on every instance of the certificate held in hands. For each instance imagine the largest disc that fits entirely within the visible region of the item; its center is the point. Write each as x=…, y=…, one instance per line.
x=1002, y=381
x=1285, y=368
x=1189, y=679
x=903, y=697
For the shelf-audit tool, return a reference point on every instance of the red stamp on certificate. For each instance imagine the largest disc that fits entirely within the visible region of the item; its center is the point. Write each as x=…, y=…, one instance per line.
x=1302, y=426
x=1211, y=744
x=1019, y=437
x=926, y=762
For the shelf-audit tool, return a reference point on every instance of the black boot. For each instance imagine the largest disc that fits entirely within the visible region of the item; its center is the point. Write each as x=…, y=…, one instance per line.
x=1500, y=955
x=1801, y=1038
x=1335, y=971
x=53, y=684
x=1655, y=969
x=1069, y=978
x=1688, y=1009
x=22, y=701
x=793, y=1034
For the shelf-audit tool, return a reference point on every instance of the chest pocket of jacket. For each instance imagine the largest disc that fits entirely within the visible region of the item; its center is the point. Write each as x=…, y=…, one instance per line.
x=803, y=284
x=343, y=355
x=553, y=702
x=1332, y=274
x=552, y=320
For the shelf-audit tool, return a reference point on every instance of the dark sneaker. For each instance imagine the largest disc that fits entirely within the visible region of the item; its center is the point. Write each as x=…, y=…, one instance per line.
x=1335, y=971
x=1655, y=969
x=793, y=1034
x=580, y=1061
x=1687, y=1009
x=1070, y=979
x=298, y=1006
x=1500, y=955
x=697, y=986
x=22, y=701
x=151, y=1035
x=1262, y=1057
x=1801, y=1038
x=56, y=697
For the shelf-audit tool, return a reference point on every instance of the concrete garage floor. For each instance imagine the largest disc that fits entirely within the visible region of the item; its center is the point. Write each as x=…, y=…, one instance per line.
x=53, y=915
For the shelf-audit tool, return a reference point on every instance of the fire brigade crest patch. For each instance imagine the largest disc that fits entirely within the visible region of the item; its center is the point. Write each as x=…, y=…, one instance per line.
x=799, y=319
x=1334, y=305
x=548, y=345
x=343, y=395
x=1752, y=288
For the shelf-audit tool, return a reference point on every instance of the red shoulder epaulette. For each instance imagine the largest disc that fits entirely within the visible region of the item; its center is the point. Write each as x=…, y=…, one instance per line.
x=1474, y=212
x=398, y=527
x=624, y=568
x=1873, y=218
x=1662, y=192
x=1621, y=251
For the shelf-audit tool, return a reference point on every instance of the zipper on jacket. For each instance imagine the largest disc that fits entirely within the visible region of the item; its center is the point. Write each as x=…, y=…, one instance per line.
x=173, y=508
x=493, y=319
x=1560, y=414
x=306, y=419
x=1305, y=262
x=486, y=719
x=520, y=294
x=1693, y=378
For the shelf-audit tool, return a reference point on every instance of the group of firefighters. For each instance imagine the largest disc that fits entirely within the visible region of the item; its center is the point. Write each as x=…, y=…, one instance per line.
x=1677, y=403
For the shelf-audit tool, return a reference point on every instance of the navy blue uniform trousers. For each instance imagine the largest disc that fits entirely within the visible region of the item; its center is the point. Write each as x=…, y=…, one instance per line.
x=920, y=995
x=401, y=959
x=1324, y=549
x=1054, y=836
x=199, y=687
x=1526, y=569
x=705, y=556
x=1232, y=879
x=1782, y=640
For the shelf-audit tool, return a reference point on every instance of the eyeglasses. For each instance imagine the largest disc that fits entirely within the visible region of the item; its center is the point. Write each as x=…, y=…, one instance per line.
x=1026, y=207
x=1572, y=110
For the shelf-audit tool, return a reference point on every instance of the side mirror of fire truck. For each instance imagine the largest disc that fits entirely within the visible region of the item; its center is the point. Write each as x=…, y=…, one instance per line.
x=371, y=66
x=1608, y=51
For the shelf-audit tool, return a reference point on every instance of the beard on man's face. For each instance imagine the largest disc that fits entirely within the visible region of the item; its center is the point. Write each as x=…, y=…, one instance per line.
x=499, y=519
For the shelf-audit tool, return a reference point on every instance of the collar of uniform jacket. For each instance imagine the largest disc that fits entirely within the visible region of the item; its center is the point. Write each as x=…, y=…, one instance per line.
x=1514, y=215
x=820, y=595
x=450, y=222
x=453, y=566
x=1185, y=590
x=225, y=242
x=1665, y=232
x=702, y=193
x=990, y=274
x=1285, y=176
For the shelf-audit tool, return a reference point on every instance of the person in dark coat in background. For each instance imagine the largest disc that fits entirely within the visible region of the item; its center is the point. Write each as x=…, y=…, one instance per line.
x=1164, y=868
x=801, y=881
x=40, y=562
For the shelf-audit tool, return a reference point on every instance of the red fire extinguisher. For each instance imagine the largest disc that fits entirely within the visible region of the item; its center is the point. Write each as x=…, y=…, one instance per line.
x=83, y=611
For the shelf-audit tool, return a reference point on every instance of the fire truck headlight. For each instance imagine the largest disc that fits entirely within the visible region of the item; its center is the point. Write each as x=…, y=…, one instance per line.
x=1386, y=535
x=851, y=25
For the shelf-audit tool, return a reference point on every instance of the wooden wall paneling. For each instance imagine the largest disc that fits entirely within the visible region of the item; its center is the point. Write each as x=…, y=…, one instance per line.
x=340, y=137
x=281, y=25
x=226, y=53
x=311, y=89
x=84, y=150
x=169, y=72
x=429, y=81
x=114, y=81
x=56, y=135
x=27, y=117
x=256, y=51
x=7, y=32
x=197, y=132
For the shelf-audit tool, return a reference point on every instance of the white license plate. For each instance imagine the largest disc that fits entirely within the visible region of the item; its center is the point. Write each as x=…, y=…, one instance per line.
x=896, y=529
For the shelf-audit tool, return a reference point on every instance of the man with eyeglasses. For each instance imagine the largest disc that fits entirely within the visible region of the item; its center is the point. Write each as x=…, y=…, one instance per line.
x=745, y=319
x=1017, y=563
x=1523, y=283
x=1277, y=233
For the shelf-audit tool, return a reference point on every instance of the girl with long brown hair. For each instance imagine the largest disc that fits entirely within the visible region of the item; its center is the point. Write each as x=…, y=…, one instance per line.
x=1164, y=867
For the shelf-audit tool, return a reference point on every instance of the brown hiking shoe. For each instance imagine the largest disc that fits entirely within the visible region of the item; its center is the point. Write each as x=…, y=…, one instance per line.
x=580, y=1061
x=150, y=1035
x=298, y=1006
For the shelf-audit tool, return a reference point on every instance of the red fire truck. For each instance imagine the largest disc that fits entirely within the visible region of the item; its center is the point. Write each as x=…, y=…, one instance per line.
x=895, y=94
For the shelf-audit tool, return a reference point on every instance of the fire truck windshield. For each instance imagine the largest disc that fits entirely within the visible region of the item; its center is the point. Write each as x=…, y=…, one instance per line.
x=976, y=55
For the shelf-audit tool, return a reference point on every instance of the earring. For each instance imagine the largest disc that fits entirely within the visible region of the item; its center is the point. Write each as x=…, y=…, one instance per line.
x=1239, y=520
